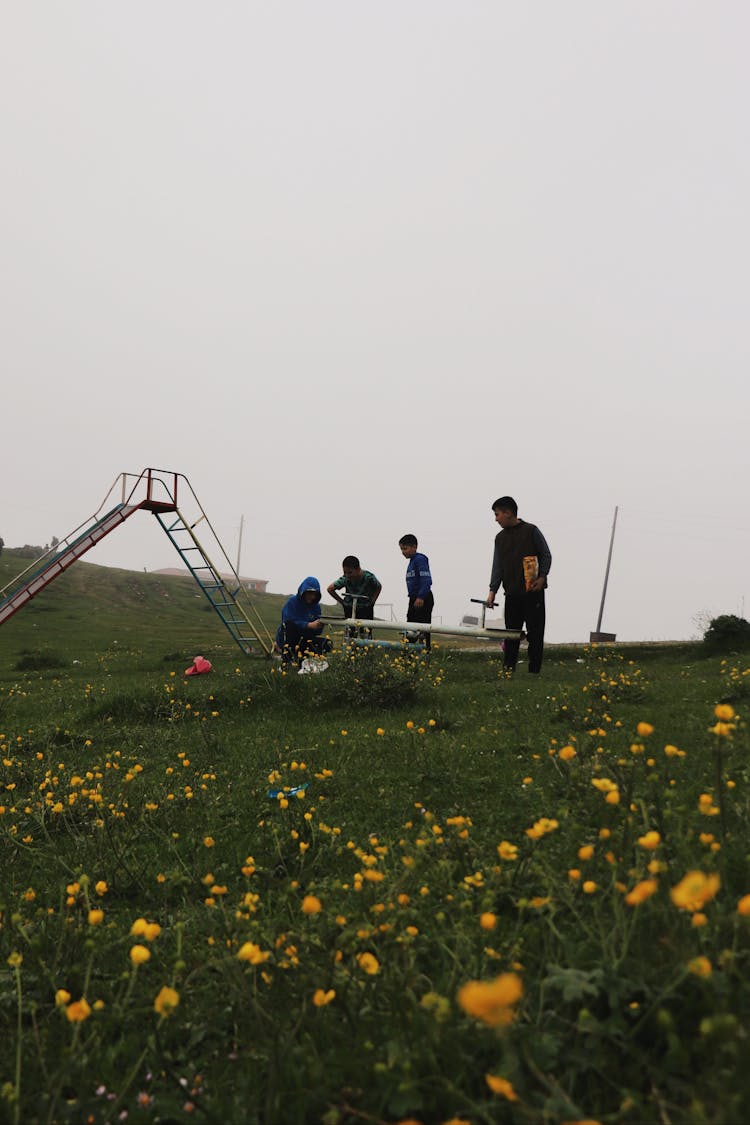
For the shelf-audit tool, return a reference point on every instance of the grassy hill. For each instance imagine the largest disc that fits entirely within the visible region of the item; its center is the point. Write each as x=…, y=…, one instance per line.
x=90, y=608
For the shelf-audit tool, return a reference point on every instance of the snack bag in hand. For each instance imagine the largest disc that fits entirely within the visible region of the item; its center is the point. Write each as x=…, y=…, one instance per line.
x=530, y=570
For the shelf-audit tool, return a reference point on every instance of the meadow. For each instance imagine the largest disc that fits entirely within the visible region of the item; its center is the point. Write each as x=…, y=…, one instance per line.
x=410, y=889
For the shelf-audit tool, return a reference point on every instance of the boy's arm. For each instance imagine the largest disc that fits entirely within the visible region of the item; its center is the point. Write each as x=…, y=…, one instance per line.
x=544, y=561
x=496, y=576
x=543, y=553
x=332, y=588
x=289, y=617
x=425, y=578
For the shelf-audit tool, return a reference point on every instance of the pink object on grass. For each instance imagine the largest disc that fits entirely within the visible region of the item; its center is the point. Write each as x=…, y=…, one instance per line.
x=198, y=667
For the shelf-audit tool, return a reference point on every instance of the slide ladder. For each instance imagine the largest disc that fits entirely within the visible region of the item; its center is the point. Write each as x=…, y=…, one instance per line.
x=225, y=592
x=155, y=491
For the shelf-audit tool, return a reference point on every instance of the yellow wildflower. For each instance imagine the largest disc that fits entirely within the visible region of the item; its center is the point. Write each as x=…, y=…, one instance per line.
x=368, y=963
x=700, y=967
x=650, y=841
x=321, y=998
x=491, y=1001
x=139, y=954
x=166, y=1001
x=542, y=827
x=252, y=953
x=695, y=890
x=311, y=904
x=78, y=1011
x=501, y=1086
x=641, y=891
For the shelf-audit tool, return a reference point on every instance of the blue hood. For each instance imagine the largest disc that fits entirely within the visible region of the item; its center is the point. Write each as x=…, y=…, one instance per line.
x=309, y=584
x=297, y=611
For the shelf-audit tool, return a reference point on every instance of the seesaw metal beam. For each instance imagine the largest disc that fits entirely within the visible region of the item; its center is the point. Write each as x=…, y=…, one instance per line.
x=419, y=627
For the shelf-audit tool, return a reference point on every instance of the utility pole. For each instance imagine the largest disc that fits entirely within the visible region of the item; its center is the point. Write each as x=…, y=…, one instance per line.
x=239, y=546
x=598, y=635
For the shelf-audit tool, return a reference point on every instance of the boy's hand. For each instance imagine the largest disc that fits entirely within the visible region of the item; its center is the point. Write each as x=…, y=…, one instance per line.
x=490, y=599
x=418, y=603
x=315, y=624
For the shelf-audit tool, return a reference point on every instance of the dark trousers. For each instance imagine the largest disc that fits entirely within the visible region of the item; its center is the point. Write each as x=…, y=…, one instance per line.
x=525, y=610
x=422, y=615
x=295, y=643
x=365, y=612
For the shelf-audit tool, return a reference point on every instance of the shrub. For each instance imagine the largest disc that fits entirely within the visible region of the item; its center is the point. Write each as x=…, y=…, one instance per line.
x=36, y=661
x=377, y=678
x=727, y=633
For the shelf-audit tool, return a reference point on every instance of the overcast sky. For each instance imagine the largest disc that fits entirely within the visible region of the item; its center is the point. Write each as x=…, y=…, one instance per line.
x=359, y=269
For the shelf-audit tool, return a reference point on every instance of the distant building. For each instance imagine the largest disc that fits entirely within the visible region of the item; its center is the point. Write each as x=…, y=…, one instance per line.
x=258, y=585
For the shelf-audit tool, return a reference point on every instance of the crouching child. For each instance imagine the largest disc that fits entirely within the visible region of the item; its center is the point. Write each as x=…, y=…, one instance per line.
x=300, y=631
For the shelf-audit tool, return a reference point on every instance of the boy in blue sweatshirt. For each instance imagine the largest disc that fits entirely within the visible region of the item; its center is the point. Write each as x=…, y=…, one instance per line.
x=418, y=585
x=300, y=630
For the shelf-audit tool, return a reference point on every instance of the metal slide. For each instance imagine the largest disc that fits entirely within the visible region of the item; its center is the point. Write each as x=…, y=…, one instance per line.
x=52, y=564
x=155, y=491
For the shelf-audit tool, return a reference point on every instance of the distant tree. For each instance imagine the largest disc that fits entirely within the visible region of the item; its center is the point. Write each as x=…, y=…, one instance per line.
x=2, y=544
x=54, y=542
x=727, y=633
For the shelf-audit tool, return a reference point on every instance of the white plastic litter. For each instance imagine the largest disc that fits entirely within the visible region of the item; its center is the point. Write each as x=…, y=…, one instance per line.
x=310, y=665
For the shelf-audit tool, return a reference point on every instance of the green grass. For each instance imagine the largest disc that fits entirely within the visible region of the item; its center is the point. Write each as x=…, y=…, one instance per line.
x=121, y=774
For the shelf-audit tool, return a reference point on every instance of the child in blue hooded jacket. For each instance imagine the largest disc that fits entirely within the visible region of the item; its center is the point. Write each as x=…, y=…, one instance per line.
x=300, y=630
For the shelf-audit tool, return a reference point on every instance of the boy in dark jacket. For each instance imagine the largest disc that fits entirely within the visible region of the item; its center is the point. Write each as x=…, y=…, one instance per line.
x=521, y=562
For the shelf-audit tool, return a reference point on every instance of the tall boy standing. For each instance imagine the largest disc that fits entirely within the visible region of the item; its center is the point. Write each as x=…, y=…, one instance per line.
x=418, y=585
x=521, y=561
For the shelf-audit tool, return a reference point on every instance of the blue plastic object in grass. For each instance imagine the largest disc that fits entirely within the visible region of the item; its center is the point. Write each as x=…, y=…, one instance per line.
x=287, y=791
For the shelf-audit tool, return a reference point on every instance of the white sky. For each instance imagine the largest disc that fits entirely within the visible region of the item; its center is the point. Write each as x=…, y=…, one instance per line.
x=359, y=269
